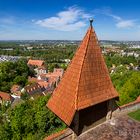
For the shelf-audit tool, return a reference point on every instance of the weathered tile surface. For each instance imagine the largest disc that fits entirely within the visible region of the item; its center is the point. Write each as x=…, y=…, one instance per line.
x=86, y=81
x=124, y=129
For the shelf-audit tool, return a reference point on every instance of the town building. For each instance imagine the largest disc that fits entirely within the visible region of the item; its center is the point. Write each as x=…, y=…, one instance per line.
x=49, y=80
x=16, y=90
x=40, y=70
x=6, y=58
x=37, y=63
x=5, y=98
x=33, y=89
x=38, y=66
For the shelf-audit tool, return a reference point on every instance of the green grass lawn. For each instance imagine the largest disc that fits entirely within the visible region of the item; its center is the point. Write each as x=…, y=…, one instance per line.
x=135, y=115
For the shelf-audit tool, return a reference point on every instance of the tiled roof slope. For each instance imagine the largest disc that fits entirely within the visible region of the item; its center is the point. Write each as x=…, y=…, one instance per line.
x=38, y=63
x=86, y=81
x=5, y=96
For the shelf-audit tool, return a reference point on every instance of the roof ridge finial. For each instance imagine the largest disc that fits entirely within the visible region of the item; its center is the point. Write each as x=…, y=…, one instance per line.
x=91, y=20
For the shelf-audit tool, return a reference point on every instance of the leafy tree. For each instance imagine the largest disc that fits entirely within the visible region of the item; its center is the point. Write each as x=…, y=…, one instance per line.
x=118, y=60
x=30, y=120
x=131, y=89
x=21, y=80
x=13, y=73
x=51, y=66
x=24, y=96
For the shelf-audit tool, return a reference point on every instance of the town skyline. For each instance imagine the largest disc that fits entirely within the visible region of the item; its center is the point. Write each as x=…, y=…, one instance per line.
x=35, y=20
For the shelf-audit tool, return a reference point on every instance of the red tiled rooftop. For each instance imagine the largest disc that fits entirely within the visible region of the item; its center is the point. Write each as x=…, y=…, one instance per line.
x=43, y=84
x=38, y=63
x=53, y=74
x=41, y=68
x=52, y=77
x=33, y=79
x=58, y=71
x=86, y=81
x=32, y=87
x=5, y=96
x=15, y=88
x=138, y=99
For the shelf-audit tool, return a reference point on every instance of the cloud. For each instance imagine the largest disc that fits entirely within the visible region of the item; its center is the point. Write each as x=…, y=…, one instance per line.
x=69, y=20
x=114, y=17
x=125, y=24
x=120, y=22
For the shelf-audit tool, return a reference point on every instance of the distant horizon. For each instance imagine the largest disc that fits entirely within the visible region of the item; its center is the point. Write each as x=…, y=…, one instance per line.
x=65, y=40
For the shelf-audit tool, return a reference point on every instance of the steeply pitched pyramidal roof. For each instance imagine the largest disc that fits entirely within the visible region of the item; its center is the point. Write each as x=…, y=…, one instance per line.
x=85, y=83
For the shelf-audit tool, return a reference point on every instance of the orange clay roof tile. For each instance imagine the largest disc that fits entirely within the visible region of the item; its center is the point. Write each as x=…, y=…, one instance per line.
x=86, y=81
x=38, y=63
x=5, y=96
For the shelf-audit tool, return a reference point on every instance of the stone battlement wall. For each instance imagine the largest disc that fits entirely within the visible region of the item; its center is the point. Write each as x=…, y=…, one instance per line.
x=132, y=106
x=125, y=109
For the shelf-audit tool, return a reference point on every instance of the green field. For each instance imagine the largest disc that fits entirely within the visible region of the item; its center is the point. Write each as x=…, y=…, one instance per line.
x=135, y=115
